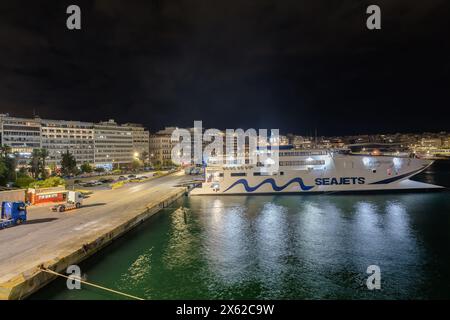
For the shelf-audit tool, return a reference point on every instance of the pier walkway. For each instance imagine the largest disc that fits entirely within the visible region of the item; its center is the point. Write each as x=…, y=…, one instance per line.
x=58, y=239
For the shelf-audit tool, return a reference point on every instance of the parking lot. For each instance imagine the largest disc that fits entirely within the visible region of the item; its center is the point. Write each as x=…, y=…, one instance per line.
x=105, y=181
x=47, y=233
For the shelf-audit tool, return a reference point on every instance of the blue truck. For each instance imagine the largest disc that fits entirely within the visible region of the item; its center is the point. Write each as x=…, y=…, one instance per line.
x=13, y=213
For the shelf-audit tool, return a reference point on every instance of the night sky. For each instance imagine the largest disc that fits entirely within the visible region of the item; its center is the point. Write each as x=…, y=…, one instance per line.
x=288, y=64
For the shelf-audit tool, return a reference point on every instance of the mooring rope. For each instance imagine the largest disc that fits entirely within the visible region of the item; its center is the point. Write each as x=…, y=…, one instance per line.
x=90, y=284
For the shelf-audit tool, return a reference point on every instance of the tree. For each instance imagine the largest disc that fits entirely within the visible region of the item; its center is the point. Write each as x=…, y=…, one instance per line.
x=3, y=171
x=11, y=163
x=68, y=164
x=48, y=183
x=86, y=168
x=5, y=151
x=35, y=163
x=144, y=157
x=24, y=180
x=99, y=169
x=23, y=171
x=53, y=169
x=136, y=164
x=169, y=163
x=43, y=154
x=8, y=165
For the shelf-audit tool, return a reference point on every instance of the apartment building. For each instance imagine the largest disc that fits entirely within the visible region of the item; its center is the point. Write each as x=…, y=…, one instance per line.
x=431, y=142
x=58, y=136
x=141, y=138
x=105, y=144
x=160, y=146
x=300, y=142
x=21, y=134
x=446, y=141
x=113, y=145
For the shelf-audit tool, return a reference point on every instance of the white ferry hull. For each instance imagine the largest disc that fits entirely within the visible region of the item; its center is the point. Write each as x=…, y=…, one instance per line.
x=338, y=174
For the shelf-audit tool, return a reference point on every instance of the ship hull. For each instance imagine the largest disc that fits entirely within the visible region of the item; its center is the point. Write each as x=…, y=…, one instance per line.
x=338, y=175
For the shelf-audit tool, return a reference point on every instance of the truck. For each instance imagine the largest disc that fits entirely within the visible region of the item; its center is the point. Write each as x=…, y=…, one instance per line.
x=13, y=213
x=74, y=201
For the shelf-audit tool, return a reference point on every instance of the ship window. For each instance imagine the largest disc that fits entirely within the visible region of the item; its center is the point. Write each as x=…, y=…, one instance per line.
x=302, y=163
x=238, y=174
x=281, y=173
x=259, y=174
x=374, y=171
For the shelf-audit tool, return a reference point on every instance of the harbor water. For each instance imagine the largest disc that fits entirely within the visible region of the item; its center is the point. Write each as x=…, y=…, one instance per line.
x=281, y=247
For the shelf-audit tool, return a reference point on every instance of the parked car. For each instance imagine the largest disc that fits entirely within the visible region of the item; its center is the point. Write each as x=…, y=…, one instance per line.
x=121, y=178
x=131, y=176
x=106, y=180
x=87, y=184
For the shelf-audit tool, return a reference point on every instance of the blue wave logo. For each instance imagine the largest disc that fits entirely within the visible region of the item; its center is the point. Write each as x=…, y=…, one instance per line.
x=271, y=181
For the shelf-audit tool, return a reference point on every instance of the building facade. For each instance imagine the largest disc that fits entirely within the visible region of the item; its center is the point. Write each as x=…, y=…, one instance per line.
x=21, y=134
x=141, y=140
x=59, y=136
x=113, y=145
x=105, y=144
x=161, y=147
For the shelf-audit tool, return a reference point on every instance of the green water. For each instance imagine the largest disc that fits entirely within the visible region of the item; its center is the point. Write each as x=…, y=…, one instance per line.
x=281, y=247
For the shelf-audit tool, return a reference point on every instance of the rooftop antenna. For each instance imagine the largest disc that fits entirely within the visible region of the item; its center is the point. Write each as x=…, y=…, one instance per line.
x=35, y=115
x=315, y=136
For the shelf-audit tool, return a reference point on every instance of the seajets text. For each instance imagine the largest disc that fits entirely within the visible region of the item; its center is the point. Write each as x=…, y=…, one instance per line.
x=339, y=181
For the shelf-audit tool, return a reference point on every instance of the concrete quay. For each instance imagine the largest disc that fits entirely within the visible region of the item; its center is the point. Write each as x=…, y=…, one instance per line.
x=56, y=240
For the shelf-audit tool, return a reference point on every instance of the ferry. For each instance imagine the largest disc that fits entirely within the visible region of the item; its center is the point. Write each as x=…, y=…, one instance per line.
x=316, y=171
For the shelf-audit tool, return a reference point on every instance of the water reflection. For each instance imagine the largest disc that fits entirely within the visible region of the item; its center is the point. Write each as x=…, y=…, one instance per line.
x=282, y=247
x=181, y=241
x=397, y=220
x=137, y=273
x=224, y=244
x=309, y=241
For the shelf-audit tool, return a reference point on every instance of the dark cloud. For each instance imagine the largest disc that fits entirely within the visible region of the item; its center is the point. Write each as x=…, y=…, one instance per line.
x=293, y=65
